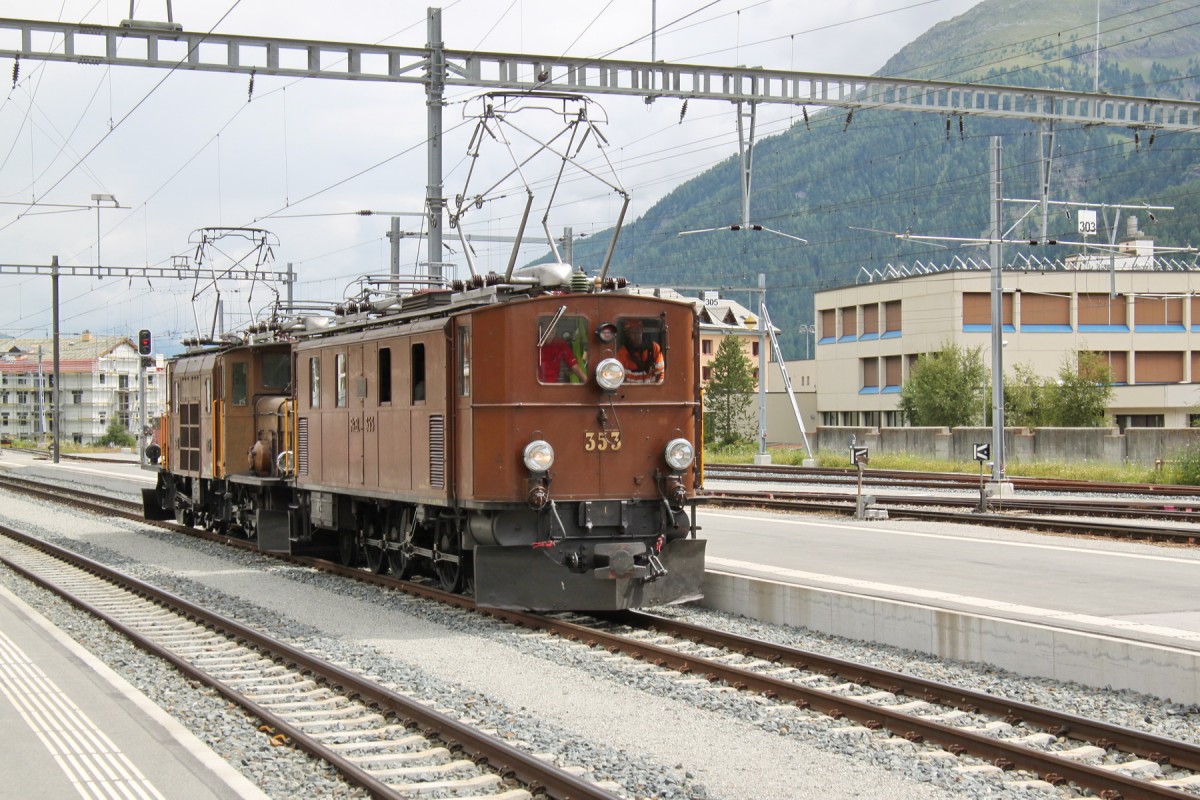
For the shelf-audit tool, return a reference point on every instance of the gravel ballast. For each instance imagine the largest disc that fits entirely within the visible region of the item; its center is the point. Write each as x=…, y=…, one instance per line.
x=652, y=735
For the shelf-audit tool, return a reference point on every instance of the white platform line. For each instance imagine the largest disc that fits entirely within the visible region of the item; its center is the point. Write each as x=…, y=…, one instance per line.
x=94, y=765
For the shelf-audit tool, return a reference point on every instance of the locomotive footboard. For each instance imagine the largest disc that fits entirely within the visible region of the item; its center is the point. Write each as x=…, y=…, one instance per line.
x=530, y=578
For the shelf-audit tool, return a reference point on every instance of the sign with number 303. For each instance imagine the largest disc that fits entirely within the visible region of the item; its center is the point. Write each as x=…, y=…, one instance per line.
x=1087, y=222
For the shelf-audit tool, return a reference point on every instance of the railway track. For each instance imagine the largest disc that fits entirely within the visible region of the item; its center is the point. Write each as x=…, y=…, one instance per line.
x=775, y=473
x=1046, y=517
x=1174, y=519
x=1035, y=744
x=378, y=739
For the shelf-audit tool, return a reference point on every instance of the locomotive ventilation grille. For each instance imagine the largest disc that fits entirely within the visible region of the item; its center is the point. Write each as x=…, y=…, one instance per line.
x=189, y=437
x=302, y=446
x=437, y=452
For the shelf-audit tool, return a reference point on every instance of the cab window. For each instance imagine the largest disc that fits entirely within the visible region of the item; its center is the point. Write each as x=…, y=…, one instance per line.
x=276, y=370
x=562, y=356
x=241, y=383
x=642, y=351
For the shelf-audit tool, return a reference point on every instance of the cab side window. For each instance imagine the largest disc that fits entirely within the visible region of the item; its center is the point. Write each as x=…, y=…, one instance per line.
x=562, y=355
x=643, y=349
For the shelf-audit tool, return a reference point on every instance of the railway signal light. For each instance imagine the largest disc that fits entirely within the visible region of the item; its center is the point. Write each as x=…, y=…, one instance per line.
x=144, y=343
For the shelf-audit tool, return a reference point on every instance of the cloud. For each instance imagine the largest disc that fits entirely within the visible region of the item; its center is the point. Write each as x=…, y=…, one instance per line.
x=188, y=150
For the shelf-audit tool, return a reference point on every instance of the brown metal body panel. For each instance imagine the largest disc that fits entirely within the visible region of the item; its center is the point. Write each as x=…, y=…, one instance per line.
x=191, y=422
x=372, y=446
x=509, y=407
x=211, y=426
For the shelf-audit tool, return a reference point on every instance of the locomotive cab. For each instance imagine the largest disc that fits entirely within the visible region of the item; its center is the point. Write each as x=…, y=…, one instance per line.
x=579, y=468
x=228, y=434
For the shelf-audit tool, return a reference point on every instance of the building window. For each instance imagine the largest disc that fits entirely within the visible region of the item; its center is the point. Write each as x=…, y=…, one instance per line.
x=828, y=326
x=101, y=378
x=77, y=397
x=892, y=373
x=1157, y=367
x=706, y=347
x=849, y=316
x=1099, y=312
x=1045, y=312
x=1139, y=421
x=977, y=311
x=1158, y=313
x=101, y=417
x=706, y=373
x=870, y=317
x=892, y=319
x=754, y=349
x=1118, y=365
x=870, y=375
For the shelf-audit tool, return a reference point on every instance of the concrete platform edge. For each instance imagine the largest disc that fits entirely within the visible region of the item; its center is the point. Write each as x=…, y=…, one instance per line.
x=235, y=781
x=1023, y=647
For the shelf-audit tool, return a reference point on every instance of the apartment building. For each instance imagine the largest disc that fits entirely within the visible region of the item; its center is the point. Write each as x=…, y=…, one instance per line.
x=100, y=384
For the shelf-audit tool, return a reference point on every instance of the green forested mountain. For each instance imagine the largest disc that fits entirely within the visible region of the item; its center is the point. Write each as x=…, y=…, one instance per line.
x=825, y=179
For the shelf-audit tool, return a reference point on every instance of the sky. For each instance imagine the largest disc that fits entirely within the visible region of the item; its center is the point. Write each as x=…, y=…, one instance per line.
x=184, y=151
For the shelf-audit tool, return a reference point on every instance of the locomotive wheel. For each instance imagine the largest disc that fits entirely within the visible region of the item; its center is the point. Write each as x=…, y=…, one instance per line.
x=400, y=560
x=347, y=549
x=450, y=573
x=374, y=552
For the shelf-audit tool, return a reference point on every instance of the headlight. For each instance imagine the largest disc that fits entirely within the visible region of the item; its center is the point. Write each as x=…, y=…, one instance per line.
x=539, y=456
x=679, y=454
x=610, y=374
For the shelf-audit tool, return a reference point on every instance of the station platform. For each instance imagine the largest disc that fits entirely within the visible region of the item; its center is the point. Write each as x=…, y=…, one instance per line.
x=1116, y=614
x=74, y=728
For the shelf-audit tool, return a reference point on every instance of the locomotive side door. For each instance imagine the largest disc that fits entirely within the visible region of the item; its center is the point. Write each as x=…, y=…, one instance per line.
x=356, y=388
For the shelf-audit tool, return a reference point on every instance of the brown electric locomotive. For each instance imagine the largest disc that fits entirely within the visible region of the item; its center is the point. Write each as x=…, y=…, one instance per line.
x=534, y=442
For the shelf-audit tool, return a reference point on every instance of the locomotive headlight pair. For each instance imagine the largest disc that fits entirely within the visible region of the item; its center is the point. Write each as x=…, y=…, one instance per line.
x=610, y=374
x=679, y=454
x=539, y=456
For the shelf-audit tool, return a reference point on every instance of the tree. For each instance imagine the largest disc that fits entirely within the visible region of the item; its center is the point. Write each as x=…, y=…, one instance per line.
x=1025, y=398
x=1082, y=392
x=117, y=436
x=728, y=394
x=947, y=387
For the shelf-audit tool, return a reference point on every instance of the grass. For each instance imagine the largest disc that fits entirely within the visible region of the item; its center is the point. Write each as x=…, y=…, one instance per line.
x=1088, y=471
x=65, y=446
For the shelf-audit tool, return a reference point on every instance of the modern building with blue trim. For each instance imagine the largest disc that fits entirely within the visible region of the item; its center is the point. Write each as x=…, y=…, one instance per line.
x=1139, y=310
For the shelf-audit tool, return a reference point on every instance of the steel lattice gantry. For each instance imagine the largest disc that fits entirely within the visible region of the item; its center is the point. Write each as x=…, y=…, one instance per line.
x=218, y=52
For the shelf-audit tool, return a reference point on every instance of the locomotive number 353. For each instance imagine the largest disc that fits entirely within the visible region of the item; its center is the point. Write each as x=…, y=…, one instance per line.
x=601, y=440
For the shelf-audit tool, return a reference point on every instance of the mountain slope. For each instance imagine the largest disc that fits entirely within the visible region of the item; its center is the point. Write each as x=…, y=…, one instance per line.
x=925, y=174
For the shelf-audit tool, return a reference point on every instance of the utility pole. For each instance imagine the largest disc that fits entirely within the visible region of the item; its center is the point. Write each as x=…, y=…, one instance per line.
x=56, y=406
x=997, y=253
x=763, y=456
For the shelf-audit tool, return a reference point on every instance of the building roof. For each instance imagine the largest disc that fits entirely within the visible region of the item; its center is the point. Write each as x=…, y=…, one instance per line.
x=76, y=353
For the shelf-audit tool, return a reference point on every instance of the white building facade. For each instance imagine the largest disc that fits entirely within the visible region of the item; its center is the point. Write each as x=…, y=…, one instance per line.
x=101, y=383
